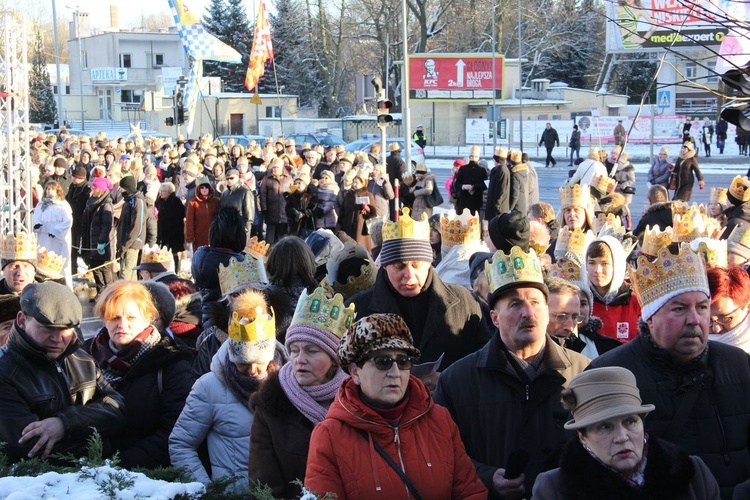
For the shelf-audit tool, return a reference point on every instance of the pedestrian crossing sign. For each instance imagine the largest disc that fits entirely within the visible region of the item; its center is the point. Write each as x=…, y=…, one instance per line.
x=664, y=99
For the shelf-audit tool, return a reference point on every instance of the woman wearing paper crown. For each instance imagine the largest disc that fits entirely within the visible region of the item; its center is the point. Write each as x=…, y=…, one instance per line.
x=383, y=435
x=297, y=397
x=53, y=219
x=146, y=367
x=218, y=407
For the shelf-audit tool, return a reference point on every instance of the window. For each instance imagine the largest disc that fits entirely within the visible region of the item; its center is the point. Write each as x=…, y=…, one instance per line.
x=67, y=90
x=691, y=70
x=125, y=61
x=273, y=112
x=84, y=60
x=131, y=96
x=158, y=59
x=711, y=76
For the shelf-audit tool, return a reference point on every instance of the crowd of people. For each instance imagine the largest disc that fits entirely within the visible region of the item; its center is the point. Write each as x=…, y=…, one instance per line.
x=332, y=332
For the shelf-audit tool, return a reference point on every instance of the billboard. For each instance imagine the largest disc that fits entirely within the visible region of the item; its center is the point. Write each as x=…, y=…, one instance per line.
x=650, y=25
x=455, y=76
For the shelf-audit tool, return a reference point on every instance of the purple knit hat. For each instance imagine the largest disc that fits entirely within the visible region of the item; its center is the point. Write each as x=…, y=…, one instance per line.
x=315, y=335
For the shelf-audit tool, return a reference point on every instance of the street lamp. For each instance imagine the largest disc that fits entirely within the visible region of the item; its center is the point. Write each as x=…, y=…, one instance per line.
x=57, y=66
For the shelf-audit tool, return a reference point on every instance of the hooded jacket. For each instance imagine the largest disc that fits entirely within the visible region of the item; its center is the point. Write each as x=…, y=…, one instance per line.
x=618, y=309
x=137, y=224
x=426, y=445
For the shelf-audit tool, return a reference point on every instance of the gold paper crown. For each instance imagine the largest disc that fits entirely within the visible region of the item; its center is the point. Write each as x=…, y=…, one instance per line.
x=156, y=255
x=603, y=219
x=740, y=188
x=690, y=225
x=575, y=196
x=567, y=270
x=603, y=183
x=654, y=239
x=320, y=311
x=257, y=249
x=517, y=267
x=49, y=263
x=21, y=247
x=667, y=273
x=406, y=227
x=718, y=195
x=240, y=273
x=572, y=245
x=458, y=229
x=714, y=252
x=262, y=327
x=740, y=235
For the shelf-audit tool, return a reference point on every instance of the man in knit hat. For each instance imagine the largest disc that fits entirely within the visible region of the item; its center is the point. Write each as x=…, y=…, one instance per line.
x=443, y=318
x=699, y=388
x=505, y=398
x=137, y=227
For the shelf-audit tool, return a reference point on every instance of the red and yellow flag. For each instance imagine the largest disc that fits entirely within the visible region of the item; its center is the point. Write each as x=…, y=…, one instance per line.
x=262, y=51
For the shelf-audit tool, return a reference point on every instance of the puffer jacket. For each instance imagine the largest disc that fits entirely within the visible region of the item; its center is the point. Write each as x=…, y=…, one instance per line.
x=718, y=427
x=659, y=172
x=98, y=219
x=426, y=444
x=656, y=215
x=72, y=388
x=212, y=412
x=272, y=202
x=325, y=211
x=625, y=177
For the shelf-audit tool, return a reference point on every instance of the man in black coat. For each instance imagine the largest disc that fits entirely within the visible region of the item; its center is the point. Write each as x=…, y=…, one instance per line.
x=78, y=195
x=395, y=167
x=498, y=192
x=721, y=134
x=470, y=184
x=550, y=139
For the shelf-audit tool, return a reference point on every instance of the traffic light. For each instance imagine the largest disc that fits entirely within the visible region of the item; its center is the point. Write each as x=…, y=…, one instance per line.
x=384, y=105
x=179, y=107
x=169, y=121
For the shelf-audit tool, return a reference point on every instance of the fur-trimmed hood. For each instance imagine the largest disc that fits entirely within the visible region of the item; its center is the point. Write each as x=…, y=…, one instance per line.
x=656, y=207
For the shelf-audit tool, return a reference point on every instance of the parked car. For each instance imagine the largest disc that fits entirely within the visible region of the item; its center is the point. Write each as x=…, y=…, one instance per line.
x=324, y=139
x=417, y=153
x=243, y=140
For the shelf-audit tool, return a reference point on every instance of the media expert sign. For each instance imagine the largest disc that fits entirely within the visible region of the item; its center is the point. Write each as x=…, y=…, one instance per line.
x=658, y=24
x=467, y=76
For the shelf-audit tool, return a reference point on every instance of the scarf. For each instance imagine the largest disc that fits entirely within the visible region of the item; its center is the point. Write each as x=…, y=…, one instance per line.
x=739, y=336
x=46, y=202
x=241, y=385
x=688, y=154
x=638, y=477
x=312, y=401
x=116, y=364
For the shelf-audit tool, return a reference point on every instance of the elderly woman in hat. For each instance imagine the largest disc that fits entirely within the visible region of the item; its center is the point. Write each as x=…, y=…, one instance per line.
x=296, y=398
x=421, y=190
x=383, y=436
x=611, y=455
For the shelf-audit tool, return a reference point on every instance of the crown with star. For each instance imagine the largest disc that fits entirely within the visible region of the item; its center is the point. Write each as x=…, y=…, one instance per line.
x=257, y=248
x=156, y=255
x=690, y=225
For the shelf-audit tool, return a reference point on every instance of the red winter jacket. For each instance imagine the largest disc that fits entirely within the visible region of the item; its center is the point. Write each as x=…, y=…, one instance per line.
x=620, y=317
x=343, y=461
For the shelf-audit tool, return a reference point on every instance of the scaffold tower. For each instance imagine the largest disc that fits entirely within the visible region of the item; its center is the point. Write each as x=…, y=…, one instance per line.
x=15, y=181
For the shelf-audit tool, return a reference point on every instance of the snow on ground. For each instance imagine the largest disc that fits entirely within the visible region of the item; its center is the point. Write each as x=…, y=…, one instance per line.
x=92, y=483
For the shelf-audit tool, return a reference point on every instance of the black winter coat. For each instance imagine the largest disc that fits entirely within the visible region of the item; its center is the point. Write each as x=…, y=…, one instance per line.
x=205, y=271
x=685, y=179
x=498, y=192
x=736, y=214
x=99, y=221
x=170, y=227
x=77, y=197
x=718, y=426
x=657, y=215
x=475, y=175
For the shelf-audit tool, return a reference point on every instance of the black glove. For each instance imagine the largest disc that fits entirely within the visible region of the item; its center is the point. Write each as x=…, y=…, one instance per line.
x=37, y=226
x=51, y=235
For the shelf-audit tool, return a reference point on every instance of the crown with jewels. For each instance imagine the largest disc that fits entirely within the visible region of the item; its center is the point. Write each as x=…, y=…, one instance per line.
x=714, y=252
x=567, y=270
x=654, y=239
x=238, y=274
x=603, y=183
x=406, y=227
x=740, y=188
x=257, y=249
x=740, y=235
x=459, y=229
x=718, y=195
x=50, y=264
x=575, y=196
x=603, y=219
x=517, y=267
x=690, y=225
x=242, y=329
x=353, y=284
x=156, y=255
x=19, y=247
x=572, y=244
x=668, y=274
x=318, y=310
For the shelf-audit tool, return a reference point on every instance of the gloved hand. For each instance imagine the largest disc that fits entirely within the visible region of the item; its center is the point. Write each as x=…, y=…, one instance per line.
x=37, y=226
x=100, y=248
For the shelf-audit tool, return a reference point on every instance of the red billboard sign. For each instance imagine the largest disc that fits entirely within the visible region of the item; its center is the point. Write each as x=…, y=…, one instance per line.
x=455, y=76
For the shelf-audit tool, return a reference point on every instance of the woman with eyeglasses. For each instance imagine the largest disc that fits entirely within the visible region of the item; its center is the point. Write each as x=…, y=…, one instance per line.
x=730, y=304
x=383, y=435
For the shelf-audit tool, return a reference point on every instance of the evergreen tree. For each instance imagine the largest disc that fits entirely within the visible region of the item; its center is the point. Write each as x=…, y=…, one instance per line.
x=215, y=21
x=633, y=78
x=43, y=108
x=238, y=35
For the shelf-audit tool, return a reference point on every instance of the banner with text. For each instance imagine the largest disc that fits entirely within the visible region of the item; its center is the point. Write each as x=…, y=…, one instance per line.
x=455, y=76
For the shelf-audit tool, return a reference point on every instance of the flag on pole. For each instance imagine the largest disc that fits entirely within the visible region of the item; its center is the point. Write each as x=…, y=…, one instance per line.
x=198, y=43
x=190, y=96
x=262, y=51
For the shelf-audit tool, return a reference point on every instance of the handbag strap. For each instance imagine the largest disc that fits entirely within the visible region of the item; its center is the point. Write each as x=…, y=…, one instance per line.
x=394, y=466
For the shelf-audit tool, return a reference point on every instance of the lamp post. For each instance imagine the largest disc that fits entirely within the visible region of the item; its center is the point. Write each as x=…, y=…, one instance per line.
x=77, y=14
x=57, y=66
x=494, y=83
x=405, y=111
x=520, y=78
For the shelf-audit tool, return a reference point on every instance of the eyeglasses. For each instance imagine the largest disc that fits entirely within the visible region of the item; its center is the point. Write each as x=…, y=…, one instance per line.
x=726, y=319
x=577, y=319
x=384, y=363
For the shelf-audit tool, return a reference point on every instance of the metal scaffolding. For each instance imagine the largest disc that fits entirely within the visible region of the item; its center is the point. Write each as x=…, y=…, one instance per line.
x=15, y=181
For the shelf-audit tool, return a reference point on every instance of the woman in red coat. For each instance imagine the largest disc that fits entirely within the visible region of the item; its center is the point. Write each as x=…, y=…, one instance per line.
x=384, y=411
x=200, y=212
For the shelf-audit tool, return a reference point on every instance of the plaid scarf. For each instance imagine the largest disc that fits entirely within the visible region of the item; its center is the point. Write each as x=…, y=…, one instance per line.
x=115, y=365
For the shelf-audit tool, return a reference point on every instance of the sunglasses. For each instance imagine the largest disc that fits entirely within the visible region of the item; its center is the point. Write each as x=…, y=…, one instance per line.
x=384, y=363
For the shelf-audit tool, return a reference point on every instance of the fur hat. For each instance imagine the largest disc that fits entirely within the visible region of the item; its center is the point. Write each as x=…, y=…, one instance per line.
x=252, y=331
x=163, y=300
x=508, y=230
x=374, y=333
x=10, y=305
x=601, y=394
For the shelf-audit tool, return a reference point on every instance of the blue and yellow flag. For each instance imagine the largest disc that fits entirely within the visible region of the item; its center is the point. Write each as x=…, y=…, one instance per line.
x=198, y=43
